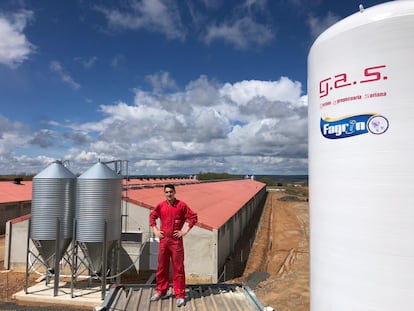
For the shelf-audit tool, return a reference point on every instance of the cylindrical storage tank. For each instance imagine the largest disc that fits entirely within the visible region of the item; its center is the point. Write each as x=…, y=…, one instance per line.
x=53, y=197
x=98, y=202
x=360, y=89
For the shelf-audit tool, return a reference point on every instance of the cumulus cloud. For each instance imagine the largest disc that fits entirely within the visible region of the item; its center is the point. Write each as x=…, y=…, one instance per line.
x=15, y=48
x=160, y=16
x=44, y=138
x=4, y=126
x=57, y=68
x=12, y=136
x=246, y=27
x=320, y=24
x=241, y=33
x=256, y=125
x=243, y=92
x=23, y=164
x=241, y=29
x=206, y=125
x=161, y=81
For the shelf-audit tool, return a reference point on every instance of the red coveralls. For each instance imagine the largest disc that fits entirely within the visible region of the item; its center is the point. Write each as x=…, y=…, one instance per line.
x=172, y=218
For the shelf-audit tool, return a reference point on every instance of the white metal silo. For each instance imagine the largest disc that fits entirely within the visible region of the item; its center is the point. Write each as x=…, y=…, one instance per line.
x=53, y=205
x=98, y=205
x=360, y=161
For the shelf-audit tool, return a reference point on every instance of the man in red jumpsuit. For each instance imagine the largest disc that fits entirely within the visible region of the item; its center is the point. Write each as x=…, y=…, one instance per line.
x=172, y=213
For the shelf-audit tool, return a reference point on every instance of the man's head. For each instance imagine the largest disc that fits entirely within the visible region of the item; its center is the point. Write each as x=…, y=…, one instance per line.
x=169, y=191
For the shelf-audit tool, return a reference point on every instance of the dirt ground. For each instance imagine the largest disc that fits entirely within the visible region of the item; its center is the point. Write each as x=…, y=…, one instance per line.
x=277, y=268
x=280, y=255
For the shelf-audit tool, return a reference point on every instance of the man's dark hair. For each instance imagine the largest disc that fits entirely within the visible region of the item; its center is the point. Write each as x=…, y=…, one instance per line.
x=171, y=186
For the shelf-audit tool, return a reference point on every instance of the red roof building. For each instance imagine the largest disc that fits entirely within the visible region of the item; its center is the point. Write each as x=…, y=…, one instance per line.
x=11, y=192
x=15, y=201
x=214, y=202
x=224, y=210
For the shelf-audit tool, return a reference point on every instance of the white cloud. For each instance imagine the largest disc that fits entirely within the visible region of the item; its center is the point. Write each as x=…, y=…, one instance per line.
x=118, y=60
x=87, y=63
x=12, y=135
x=245, y=127
x=57, y=68
x=14, y=46
x=242, y=33
x=252, y=5
x=154, y=15
x=167, y=17
x=24, y=164
x=15, y=136
x=44, y=138
x=243, y=92
x=247, y=119
x=320, y=24
x=161, y=81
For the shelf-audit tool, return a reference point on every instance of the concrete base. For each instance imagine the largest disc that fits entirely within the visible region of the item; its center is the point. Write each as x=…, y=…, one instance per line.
x=41, y=294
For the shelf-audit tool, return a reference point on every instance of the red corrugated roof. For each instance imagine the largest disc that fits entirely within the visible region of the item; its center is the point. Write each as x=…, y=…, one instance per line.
x=214, y=202
x=11, y=192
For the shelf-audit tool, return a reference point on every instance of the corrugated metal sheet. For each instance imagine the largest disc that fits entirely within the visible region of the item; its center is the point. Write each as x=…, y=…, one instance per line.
x=214, y=202
x=203, y=297
x=53, y=197
x=10, y=192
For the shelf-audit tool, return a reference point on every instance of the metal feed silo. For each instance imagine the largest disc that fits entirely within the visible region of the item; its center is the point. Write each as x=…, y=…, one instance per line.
x=53, y=200
x=98, y=206
x=360, y=90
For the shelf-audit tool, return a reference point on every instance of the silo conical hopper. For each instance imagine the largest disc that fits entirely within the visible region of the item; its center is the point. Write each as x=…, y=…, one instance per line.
x=99, y=192
x=53, y=197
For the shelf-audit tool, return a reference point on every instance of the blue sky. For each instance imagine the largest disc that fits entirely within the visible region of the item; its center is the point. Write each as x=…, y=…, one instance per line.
x=171, y=86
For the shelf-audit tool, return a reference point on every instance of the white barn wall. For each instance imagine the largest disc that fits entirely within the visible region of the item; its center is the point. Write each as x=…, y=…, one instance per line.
x=15, y=245
x=200, y=261
x=138, y=220
x=200, y=246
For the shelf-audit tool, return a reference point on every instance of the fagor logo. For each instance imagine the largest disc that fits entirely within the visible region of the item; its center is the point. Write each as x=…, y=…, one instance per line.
x=353, y=125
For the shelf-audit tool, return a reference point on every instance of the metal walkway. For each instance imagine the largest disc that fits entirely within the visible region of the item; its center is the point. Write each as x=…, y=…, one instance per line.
x=200, y=297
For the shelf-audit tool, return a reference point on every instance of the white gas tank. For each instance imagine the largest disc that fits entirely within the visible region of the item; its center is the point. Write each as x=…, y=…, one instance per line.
x=361, y=161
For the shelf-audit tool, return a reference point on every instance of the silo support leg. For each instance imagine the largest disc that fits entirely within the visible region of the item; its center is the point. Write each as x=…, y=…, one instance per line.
x=57, y=258
x=104, y=262
x=26, y=287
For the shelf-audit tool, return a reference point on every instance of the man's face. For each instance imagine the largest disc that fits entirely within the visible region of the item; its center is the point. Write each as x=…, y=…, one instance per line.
x=169, y=194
